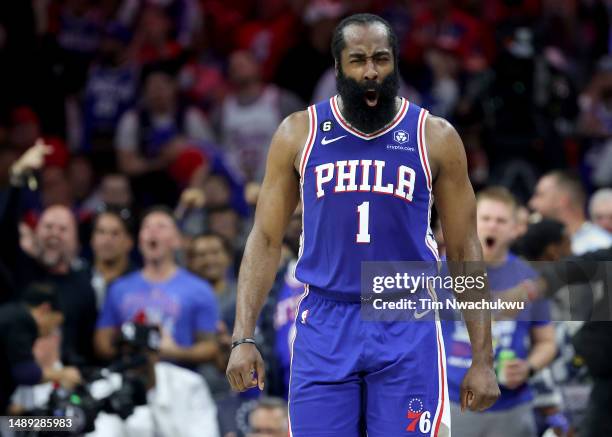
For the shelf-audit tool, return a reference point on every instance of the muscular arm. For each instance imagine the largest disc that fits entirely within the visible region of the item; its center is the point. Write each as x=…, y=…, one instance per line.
x=589, y=267
x=456, y=206
x=103, y=343
x=542, y=352
x=277, y=200
x=544, y=347
x=203, y=350
x=586, y=268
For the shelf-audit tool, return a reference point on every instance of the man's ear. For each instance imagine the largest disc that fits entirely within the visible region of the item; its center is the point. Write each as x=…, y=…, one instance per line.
x=565, y=200
x=336, y=67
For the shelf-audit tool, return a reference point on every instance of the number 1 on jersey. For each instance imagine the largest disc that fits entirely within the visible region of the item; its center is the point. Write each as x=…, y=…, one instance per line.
x=363, y=211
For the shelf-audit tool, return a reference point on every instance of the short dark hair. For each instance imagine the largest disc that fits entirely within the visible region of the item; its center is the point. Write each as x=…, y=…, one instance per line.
x=222, y=209
x=571, y=183
x=38, y=293
x=271, y=403
x=538, y=237
x=338, y=43
x=227, y=246
x=159, y=209
x=123, y=215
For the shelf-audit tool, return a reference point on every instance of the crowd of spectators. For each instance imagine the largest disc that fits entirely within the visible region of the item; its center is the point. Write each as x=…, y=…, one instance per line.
x=133, y=138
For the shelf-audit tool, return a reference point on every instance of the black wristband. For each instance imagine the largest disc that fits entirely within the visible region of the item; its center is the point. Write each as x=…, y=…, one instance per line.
x=244, y=340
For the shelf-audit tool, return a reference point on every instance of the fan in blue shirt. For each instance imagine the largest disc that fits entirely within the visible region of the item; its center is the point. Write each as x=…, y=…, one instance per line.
x=183, y=305
x=526, y=337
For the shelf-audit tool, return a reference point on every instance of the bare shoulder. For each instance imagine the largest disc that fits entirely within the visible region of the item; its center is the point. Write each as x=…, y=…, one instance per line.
x=444, y=146
x=291, y=136
x=438, y=130
x=294, y=126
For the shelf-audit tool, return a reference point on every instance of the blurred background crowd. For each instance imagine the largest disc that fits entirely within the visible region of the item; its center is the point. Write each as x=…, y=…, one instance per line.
x=154, y=119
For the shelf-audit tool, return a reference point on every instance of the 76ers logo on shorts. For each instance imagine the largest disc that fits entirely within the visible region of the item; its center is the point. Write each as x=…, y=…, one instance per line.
x=418, y=416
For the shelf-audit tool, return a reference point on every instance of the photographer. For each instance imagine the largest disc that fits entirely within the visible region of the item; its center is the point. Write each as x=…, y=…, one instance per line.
x=169, y=400
x=21, y=323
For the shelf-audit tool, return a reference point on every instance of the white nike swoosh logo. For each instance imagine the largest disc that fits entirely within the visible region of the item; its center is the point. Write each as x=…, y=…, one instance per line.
x=325, y=141
x=418, y=315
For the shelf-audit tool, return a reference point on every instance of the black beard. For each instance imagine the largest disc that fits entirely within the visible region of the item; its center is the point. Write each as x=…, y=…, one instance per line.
x=366, y=118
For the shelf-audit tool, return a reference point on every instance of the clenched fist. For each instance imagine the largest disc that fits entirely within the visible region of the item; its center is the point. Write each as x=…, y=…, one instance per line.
x=245, y=369
x=479, y=389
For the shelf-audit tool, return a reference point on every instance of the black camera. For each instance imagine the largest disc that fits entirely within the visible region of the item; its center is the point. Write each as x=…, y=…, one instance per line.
x=134, y=343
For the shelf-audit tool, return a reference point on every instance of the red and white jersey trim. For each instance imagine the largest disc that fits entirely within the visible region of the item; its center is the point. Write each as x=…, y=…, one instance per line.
x=297, y=312
x=422, y=145
x=312, y=134
x=441, y=426
x=423, y=148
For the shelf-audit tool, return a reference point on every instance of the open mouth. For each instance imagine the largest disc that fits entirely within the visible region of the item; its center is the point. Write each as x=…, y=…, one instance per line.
x=371, y=97
x=52, y=242
x=489, y=242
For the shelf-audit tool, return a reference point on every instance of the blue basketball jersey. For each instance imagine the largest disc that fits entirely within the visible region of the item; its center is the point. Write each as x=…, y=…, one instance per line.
x=365, y=197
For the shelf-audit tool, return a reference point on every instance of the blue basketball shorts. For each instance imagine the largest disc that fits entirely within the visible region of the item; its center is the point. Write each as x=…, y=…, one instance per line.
x=352, y=378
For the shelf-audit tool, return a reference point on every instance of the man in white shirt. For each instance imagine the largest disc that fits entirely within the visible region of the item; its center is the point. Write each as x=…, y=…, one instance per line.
x=600, y=208
x=248, y=116
x=179, y=402
x=560, y=195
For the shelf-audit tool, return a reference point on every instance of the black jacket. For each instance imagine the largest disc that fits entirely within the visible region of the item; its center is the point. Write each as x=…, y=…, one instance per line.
x=76, y=295
x=593, y=342
x=18, y=331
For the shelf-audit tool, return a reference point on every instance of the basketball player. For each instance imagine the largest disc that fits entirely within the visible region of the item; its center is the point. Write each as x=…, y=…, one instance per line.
x=366, y=165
